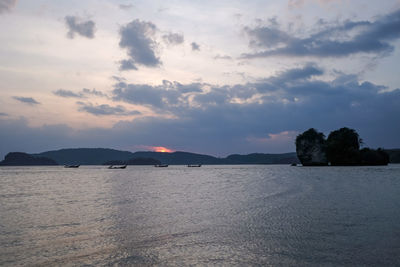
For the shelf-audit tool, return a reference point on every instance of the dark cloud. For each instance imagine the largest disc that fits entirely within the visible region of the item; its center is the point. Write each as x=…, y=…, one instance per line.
x=76, y=26
x=169, y=94
x=127, y=64
x=68, y=93
x=138, y=94
x=2, y=114
x=337, y=40
x=195, y=46
x=26, y=100
x=138, y=38
x=174, y=96
x=7, y=5
x=289, y=77
x=105, y=109
x=125, y=6
x=173, y=38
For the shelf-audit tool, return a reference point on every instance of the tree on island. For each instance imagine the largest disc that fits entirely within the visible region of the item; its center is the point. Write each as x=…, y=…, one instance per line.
x=311, y=148
x=342, y=148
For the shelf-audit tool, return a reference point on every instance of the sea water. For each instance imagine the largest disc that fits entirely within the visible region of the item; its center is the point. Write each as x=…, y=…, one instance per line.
x=213, y=215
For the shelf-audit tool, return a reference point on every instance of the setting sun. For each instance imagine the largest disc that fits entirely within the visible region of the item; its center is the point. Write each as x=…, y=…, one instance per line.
x=161, y=149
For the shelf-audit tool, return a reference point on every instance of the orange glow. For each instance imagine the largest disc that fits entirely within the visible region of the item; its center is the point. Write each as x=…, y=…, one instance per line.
x=161, y=149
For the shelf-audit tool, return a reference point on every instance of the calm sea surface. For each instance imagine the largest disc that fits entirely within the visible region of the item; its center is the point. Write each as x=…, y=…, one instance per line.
x=213, y=215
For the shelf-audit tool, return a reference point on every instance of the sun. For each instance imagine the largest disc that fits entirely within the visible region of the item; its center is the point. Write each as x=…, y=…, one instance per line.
x=162, y=149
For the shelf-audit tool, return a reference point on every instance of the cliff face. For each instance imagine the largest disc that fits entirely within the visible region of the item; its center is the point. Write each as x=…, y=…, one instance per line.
x=311, y=148
x=311, y=153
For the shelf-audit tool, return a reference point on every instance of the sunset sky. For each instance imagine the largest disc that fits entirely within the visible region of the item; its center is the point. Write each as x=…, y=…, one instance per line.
x=213, y=77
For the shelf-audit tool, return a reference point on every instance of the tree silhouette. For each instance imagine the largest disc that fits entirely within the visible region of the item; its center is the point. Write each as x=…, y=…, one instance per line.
x=343, y=147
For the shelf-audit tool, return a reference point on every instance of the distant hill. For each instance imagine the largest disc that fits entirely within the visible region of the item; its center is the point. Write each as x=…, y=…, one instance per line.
x=98, y=156
x=23, y=159
x=86, y=156
x=134, y=161
x=259, y=158
x=180, y=158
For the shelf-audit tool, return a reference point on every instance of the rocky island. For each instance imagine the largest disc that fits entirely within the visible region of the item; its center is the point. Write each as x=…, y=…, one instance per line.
x=341, y=148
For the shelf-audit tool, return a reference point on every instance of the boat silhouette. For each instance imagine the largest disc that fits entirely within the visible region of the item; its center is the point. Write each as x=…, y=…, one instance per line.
x=117, y=167
x=71, y=166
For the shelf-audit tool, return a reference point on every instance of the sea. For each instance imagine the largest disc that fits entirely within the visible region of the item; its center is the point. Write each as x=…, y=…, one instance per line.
x=240, y=215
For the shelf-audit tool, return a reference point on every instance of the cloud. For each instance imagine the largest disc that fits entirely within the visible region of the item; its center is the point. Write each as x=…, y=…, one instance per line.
x=68, y=93
x=174, y=96
x=291, y=76
x=173, y=38
x=138, y=38
x=125, y=6
x=118, y=79
x=82, y=94
x=168, y=94
x=105, y=109
x=195, y=46
x=224, y=57
x=93, y=92
x=7, y=5
x=293, y=4
x=127, y=64
x=26, y=100
x=76, y=26
x=337, y=40
x=2, y=114
x=141, y=94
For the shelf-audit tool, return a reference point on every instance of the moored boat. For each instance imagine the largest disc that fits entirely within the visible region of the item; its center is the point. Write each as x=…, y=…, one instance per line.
x=117, y=167
x=161, y=165
x=71, y=166
x=194, y=165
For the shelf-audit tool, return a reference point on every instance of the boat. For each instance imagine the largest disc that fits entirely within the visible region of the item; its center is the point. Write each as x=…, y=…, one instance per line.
x=161, y=165
x=117, y=167
x=194, y=165
x=293, y=164
x=71, y=166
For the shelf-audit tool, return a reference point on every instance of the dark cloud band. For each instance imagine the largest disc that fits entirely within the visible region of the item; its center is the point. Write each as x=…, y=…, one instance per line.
x=339, y=40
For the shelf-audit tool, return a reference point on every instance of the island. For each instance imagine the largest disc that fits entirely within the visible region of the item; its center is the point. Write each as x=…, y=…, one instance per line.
x=24, y=159
x=341, y=148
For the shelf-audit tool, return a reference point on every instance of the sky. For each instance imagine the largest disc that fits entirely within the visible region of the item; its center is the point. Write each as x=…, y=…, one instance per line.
x=211, y=77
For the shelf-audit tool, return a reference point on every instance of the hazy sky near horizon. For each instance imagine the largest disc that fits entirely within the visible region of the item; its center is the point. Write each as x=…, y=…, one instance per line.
x=215, y=77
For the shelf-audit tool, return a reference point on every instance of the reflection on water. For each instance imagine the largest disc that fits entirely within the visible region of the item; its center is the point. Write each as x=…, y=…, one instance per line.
x=213, y=215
